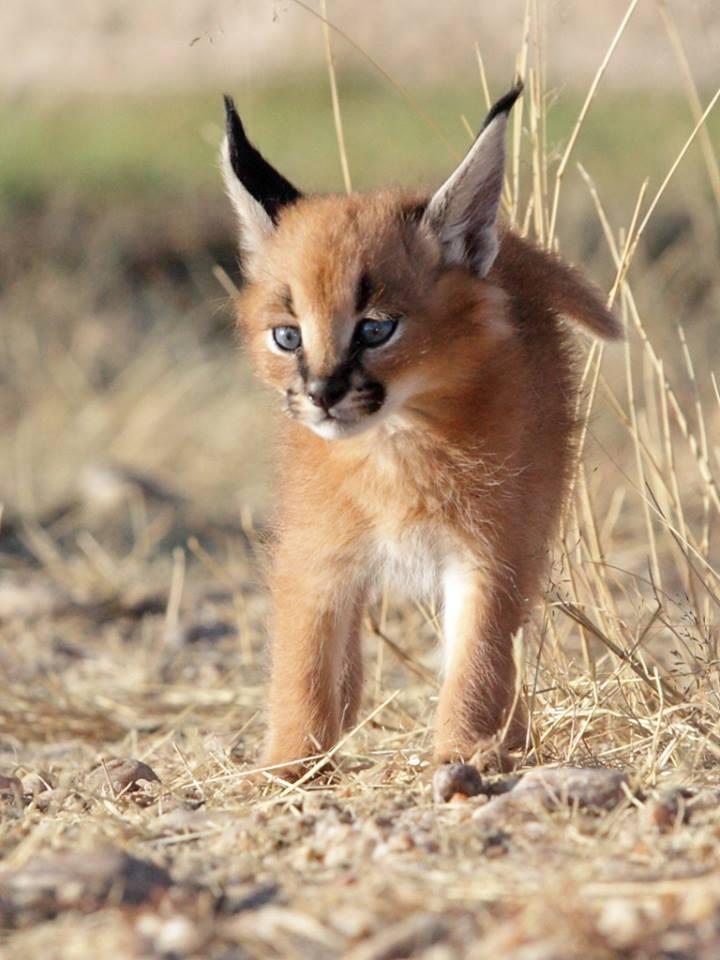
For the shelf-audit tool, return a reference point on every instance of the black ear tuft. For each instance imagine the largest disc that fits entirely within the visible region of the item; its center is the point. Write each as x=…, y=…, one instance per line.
x=413, y=212
x=260, y=179
x=463, y=212
x=504, y=104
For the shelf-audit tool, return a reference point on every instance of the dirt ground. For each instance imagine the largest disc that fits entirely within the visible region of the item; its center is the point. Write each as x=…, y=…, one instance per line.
x=131, y=821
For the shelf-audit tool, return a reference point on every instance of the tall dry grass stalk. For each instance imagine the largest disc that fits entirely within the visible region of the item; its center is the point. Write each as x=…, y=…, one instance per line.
x=636, y=581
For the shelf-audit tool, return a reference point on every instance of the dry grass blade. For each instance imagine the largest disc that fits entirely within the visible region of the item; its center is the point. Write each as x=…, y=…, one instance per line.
x=337, y=114
x=316, y=767
x=401, y=90
x=572, y=610
x=709, y=155
x=426, y=675
x=583, y=113
x=676, y=163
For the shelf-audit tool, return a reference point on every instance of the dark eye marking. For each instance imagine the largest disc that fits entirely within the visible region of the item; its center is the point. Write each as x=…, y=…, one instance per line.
x=364, y=292
x=287, y=338
x=287, y=301
x=375, y=332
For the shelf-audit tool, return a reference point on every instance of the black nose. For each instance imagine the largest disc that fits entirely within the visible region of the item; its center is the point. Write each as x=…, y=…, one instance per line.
x=325, y=392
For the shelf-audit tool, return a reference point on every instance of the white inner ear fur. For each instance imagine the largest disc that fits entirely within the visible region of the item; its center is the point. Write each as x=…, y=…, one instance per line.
x=463, y=212
x=256, y=227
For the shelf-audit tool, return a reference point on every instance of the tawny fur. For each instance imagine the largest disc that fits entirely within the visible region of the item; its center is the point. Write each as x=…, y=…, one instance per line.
x=437, y=457
x=469, y=473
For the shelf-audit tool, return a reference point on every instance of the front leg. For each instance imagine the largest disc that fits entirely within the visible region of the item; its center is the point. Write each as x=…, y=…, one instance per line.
x=480, y=619
x=315, y=604
x=351, y=683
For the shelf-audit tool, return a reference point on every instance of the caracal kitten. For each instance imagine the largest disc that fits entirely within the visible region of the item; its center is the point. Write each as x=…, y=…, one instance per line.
x=422, y=357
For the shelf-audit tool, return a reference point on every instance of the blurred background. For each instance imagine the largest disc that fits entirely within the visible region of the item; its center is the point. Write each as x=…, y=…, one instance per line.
x=119, y=372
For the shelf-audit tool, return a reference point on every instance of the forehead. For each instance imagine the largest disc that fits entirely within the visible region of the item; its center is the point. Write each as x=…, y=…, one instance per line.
x=327, y=248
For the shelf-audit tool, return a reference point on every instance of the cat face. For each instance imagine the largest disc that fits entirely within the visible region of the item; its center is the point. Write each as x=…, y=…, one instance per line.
x=351, y=314
x=383, y=306
x=355, y=308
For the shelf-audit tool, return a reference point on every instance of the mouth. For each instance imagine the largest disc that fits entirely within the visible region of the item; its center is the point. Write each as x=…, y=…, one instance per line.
x=333, y=429
x=332, y=425
x=352, y=414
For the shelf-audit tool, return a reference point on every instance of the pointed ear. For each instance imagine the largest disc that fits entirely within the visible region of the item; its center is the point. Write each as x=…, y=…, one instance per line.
x=257, y=191
x=463, y=212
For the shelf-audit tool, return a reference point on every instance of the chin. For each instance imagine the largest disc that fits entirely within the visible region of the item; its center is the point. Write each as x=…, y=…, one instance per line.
x=333, y=429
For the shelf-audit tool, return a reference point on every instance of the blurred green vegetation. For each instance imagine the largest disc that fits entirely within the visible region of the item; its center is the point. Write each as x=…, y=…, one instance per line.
x=130, y=149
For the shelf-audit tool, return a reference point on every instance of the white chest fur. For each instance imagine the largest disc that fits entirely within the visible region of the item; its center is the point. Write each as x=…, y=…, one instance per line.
x=412, y=560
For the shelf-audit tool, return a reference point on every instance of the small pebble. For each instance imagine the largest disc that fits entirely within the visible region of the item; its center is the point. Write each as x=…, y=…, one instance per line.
x=177, y=935
x=125, y=776
x=454, y=780
x=553, y=787
x=85, y=879
x=665, y=810
x=11, y=790
x=400, y=842
x=595, y=787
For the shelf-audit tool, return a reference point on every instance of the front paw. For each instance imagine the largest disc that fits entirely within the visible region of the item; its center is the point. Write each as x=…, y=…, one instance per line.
x=486, y=754
x=290, y=759
x=287, y=764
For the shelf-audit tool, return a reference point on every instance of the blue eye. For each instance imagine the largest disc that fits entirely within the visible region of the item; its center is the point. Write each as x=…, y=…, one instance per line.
x=287, y=338
x=374, y=333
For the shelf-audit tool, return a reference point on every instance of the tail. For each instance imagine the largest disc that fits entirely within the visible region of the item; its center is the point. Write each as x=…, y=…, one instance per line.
x=543, y=282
